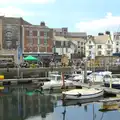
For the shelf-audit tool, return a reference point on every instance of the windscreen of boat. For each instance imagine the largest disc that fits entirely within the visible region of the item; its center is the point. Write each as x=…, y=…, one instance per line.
x=115, y=76
x=58, y=78
x=107, y=76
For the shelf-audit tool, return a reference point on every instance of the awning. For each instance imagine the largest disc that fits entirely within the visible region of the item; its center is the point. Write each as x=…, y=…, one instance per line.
x=60, y=38
x=116, y=54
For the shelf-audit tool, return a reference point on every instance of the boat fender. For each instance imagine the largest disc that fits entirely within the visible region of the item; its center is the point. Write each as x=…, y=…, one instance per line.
x=79, y=95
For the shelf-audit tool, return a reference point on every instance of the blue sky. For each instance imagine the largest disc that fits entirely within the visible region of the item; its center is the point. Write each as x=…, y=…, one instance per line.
x=90, y=16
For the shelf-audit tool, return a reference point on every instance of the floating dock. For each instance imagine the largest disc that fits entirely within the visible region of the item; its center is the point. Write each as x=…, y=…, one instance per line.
x=37, y=70
x=23, y=80
x=114, y=99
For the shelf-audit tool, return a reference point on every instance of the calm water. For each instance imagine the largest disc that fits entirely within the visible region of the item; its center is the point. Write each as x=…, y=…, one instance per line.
x=16, y=104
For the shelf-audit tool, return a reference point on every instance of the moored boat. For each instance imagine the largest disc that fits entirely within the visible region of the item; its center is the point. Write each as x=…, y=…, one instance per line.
x=114, y=80
x=78, y=94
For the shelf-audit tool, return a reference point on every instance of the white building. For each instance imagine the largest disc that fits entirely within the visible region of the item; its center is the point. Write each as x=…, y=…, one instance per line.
x=101, y=45
x=79, y=39
x=116, y=39
x=68, y=42
x=63, y=46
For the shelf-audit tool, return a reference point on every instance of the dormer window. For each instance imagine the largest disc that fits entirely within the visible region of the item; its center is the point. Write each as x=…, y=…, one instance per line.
x=89, y=42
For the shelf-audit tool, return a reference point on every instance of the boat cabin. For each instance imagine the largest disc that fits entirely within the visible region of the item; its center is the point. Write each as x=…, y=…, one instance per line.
x=55, y=77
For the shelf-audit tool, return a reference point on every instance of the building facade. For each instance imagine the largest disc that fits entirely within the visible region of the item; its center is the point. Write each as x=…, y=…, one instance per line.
x=79, y=39
x=69, y=42
x=100, y=45
x=10, y=35
x=37, y=38
x=116, y=40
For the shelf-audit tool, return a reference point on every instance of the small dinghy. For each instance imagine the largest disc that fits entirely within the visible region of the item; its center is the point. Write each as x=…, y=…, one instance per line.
x=78, y=94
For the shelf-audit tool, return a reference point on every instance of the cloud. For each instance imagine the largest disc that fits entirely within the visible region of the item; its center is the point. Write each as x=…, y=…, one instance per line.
x=27, y=1
x=15, y=12
x=104, y=23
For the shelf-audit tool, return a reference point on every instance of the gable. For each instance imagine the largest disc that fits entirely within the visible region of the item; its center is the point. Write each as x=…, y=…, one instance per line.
x=89, y=42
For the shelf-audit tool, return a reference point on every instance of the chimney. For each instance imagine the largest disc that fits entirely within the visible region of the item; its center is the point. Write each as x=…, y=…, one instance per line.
x=100, y=34
x=42, y=23
x=107, y=32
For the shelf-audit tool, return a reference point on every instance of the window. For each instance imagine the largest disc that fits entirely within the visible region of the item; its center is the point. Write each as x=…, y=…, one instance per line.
x=34, y=33
x=81, y=43
x=90, y=52
x=82, y=48
x=45, y=34
x=30, y=33
x=41, y=33
x=78, y=43
x=27, y=32
x=108, y=46
x=99, y=46
x=99, y=53
x=89, y=42
x=117, y=43
x=117, y=37
x=108, y=52
x=117, y=50
x=90, y=46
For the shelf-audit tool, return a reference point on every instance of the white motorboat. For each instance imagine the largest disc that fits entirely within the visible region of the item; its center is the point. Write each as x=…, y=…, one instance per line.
x=56, y=82
x=113, y=79
x=78, y=94
x=78, y=77
x=98, y=76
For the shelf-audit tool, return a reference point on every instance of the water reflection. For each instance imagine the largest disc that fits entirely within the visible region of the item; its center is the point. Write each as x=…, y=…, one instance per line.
x=16, y=104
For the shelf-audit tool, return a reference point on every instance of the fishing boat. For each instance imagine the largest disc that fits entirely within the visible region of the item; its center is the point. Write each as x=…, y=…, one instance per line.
x=114, y=80
x=56, y=82
x=78, y=94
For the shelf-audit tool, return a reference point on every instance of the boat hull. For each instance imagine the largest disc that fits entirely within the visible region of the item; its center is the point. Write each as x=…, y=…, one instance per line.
x=81, y=102
x=83, y=97
x=116, y=86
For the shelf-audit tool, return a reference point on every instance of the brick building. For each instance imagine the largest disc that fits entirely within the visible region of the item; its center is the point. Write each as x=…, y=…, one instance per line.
x=37, y=38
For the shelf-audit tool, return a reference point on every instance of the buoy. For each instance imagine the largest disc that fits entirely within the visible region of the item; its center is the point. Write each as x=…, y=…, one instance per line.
x=1, y=77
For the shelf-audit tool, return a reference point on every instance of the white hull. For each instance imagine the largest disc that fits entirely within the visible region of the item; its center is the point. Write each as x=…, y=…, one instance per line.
x=83, y=96
x=81, y=101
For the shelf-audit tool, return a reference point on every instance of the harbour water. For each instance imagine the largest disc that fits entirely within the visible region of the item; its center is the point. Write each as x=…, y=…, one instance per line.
x=21, y=103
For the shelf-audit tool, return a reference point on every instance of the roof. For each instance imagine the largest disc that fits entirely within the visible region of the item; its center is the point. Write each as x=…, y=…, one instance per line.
x=77, y=34
x=102, y=39
x=76, y=39
x=60, y=38
x=34, y=26
x=15, y=20
x=57, y=29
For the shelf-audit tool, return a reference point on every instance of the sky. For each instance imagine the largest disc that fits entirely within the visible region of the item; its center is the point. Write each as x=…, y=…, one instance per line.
x=91, y=16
